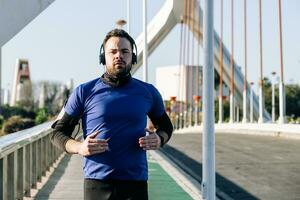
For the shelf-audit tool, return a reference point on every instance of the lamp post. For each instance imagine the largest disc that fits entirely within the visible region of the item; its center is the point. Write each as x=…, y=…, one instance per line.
x=221, y=69
x=208, y=183
x=261, y=79
x=245, y=78
x=128, y=16
x=231, y=120
x=145, y=52
x=282, y=105
x=273, y=97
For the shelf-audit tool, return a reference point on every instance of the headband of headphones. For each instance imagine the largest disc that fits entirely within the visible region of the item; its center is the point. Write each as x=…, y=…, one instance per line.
x=133, y=45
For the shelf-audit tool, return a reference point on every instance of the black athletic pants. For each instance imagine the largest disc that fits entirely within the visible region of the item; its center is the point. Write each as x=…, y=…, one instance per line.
x=115, y=190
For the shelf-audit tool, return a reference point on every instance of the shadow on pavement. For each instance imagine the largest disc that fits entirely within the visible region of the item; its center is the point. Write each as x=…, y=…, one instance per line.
x=194, y=169
x=46, y=190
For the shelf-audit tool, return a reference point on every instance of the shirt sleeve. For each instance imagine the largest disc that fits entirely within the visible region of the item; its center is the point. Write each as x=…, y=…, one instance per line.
x=157, y=108
x=74, y=105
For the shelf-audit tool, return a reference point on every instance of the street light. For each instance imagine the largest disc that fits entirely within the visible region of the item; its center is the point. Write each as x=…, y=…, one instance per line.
x=245, y=77
x=231, y=120
x=282, y=105
x=261, y=79
x=273, y=97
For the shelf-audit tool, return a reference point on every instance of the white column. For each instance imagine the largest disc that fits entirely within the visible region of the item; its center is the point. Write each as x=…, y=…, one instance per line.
x=231, y=108
x=282, y=111
x=191, y=116
x=0, y=76
x=251, y=105
x=196, y=115
x=244, y=106
x=209, y=179
x=220, y=110
x=237, y=113
x=261, y=105
x=273, y=100
x=145, y=52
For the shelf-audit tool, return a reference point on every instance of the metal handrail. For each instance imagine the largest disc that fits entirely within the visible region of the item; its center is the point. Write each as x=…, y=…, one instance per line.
x=25, y=156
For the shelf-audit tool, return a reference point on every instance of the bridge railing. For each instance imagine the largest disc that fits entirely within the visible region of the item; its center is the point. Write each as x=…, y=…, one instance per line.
x=25, y=157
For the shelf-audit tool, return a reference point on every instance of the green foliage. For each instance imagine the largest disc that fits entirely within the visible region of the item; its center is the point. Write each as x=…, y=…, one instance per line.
x=16, y=123
x=1, y=121
x=225, y=110
x=292, y=99
x=267, y=89
x=8, y=111
x=41, y=116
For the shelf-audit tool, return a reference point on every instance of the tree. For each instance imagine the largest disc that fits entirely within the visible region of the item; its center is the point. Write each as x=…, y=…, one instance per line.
x=16, y=123
x=41, y=116
x=292, y=92
x=8, y=111
x=226, y=110
x=293, y=100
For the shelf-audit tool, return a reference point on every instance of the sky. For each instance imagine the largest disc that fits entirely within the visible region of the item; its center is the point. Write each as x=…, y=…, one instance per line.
x=63, y=41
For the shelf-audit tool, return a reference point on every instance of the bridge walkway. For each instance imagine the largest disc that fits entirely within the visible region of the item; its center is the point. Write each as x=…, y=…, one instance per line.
x=66, y=182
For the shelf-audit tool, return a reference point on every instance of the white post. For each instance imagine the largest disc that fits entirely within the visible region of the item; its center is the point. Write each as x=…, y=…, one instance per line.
x=185, y=115
x=220, y=109
x=273, y=100
x=196, y=115
x=128, y=16
x=245, y=78
x=145, y=52
x=261, y=104
x=282, y=104
x=181, y=119
x=237, y=113
x=244, y=106
x=191, y=116
x=231, y=108
x=0, y=78
x=209, y=179
x=251, y=103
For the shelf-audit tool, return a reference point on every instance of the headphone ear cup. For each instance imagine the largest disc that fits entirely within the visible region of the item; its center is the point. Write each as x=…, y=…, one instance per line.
x=102, y=59
x=134, y=59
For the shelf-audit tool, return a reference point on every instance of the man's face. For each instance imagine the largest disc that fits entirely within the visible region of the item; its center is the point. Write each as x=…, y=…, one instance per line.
x=118, y=56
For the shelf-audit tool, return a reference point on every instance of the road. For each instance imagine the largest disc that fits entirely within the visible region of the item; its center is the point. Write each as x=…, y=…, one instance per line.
x=247, y=166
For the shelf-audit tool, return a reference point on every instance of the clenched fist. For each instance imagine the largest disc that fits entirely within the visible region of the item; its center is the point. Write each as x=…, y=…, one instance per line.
x=150, y=142
x=91, y=145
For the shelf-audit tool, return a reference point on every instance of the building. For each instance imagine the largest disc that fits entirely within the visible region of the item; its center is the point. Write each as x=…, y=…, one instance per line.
x=179, y=81
x=22, y=88
x=5, y=97
x=172, y=81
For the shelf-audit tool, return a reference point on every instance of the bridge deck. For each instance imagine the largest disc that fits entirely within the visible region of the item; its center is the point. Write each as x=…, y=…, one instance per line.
x=66, y=182
x=247, y=166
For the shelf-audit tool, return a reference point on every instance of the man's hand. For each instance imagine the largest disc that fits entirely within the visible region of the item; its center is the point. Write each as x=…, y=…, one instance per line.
x=91, y=146
x=150, y=142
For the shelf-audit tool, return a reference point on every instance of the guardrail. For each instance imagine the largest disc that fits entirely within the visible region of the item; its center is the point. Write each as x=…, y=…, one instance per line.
x=25, y=157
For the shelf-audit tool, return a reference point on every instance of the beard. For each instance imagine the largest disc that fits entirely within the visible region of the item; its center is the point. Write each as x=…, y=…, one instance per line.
x=120, y=72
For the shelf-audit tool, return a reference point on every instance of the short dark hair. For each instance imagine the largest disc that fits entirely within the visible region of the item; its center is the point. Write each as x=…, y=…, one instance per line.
x=119, y=33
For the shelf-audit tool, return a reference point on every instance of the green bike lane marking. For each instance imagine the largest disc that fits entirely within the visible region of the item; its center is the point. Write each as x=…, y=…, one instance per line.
x=162, y=186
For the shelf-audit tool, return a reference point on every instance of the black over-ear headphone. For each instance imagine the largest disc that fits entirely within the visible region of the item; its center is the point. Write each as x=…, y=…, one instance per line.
x=134, y=57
